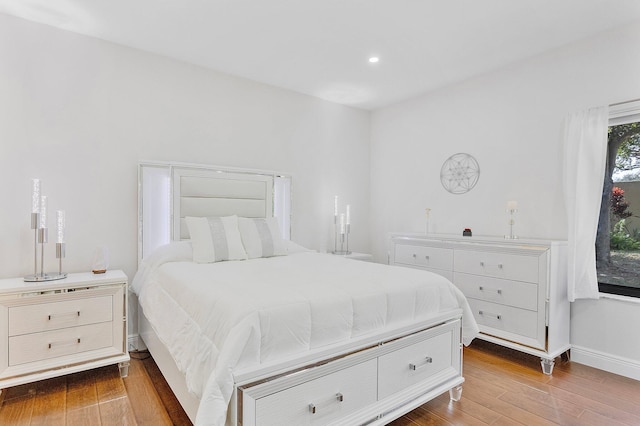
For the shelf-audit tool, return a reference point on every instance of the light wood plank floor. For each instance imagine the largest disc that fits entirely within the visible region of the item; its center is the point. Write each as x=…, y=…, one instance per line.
x=502, y=387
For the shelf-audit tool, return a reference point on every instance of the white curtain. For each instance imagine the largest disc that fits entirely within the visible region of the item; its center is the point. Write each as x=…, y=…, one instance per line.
x=585, y=139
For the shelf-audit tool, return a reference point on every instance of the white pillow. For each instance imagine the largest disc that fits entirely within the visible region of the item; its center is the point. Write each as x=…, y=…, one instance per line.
x=261, y=237
x=215, y=239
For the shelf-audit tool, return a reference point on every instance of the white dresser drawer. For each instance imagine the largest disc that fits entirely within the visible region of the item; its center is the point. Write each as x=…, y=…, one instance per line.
x=56, y=315
x=407, y=366
x=505, y=292
x=428, y=257
x=497, y=265
x=333, y=396
x=51, y=344
x=504, y=318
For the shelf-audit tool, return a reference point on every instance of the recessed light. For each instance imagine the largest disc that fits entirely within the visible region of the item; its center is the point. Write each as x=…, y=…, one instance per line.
x=374, y=59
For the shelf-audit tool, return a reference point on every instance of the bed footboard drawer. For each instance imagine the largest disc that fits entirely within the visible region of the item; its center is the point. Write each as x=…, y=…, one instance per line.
x=321, y=400
x=413, y=364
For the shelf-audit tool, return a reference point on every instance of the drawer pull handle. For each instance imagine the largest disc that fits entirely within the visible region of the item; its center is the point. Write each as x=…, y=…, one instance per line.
x=426, y=257
x=498, y=290
x=75, y=313
x=314, y=408
x=51, y=345
x=499, y=265
x=427, y=360
x=497, y=316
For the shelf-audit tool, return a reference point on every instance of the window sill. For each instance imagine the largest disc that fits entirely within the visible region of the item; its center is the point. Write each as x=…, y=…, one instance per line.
x=628, y=299
x=619, y=292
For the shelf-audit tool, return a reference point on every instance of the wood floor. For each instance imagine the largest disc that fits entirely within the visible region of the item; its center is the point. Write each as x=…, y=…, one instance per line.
x=502, y=387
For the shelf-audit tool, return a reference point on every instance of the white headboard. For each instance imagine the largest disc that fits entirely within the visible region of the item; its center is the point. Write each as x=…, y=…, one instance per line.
x=168, y=192
x=207, y=193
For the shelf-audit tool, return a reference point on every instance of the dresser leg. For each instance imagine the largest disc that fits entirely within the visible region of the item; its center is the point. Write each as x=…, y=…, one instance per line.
x=124, y=368
x=455, y=393
x=547, y=365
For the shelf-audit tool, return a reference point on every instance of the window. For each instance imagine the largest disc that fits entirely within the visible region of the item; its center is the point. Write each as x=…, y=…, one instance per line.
x=618, y=237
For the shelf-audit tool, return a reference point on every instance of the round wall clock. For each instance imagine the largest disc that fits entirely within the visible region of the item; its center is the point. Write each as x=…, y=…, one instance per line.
x=459, y=173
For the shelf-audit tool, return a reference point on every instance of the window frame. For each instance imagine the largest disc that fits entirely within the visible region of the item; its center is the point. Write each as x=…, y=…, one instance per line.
x=622, y=113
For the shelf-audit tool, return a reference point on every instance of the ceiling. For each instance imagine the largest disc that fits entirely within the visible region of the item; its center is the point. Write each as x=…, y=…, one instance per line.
x=321, y=47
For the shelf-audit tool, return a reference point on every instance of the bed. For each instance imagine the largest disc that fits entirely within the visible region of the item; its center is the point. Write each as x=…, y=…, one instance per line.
x=271, y=333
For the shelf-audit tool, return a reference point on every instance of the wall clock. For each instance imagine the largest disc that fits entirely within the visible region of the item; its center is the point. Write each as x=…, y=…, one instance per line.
x=459, y=173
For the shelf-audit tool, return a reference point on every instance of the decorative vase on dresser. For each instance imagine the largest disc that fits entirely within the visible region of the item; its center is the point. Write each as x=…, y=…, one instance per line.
x=52, y=328
x=517, y=288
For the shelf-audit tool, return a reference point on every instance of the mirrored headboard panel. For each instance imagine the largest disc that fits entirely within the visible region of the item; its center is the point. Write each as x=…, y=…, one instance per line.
x=168, y=192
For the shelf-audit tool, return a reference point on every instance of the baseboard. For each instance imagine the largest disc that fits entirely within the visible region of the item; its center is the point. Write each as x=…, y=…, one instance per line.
x=607, y=362
x=135, y=343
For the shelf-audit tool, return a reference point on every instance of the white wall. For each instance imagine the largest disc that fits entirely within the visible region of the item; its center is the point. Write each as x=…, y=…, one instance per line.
x=511, y=120
x=79, y=113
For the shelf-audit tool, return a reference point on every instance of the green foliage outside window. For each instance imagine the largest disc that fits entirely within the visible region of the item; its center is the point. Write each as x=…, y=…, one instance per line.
x=621, y=239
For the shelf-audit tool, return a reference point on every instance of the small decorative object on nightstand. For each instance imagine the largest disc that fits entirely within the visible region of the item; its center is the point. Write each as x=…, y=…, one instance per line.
x=100, y=260
x=52, y=328
x=466, y=232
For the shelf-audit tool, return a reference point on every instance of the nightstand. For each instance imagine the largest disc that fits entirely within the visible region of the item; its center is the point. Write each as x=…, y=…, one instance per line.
x=58, y=327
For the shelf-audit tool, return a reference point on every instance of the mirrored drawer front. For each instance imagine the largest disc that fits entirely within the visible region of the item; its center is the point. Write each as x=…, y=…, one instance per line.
x=57, y=315
x=505, y=292
x=408, y=366
x=497, y=265
x=52, y=344
x=321, y=400
x=430, y=257
x=506, y=318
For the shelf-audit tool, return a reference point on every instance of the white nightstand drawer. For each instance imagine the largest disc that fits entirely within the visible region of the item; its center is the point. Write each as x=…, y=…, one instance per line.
x=50, y=344
x=505, y=292
x=504, y=318
x=331, y=397
x=428, y=257
x=56, y=315
x=498, y=265
x=410, y=365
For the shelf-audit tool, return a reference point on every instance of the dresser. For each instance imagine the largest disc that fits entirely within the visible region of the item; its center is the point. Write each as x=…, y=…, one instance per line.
x=52, y=328
x=517, y=289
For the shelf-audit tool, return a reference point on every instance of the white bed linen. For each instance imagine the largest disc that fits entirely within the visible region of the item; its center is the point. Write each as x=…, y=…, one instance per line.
x=219, y=317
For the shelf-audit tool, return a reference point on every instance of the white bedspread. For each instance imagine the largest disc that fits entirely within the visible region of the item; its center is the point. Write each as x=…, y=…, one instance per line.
x=220, y=317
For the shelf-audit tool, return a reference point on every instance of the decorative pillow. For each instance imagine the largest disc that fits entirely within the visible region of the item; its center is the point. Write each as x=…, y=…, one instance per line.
x=215, y=239
x=261, y=237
